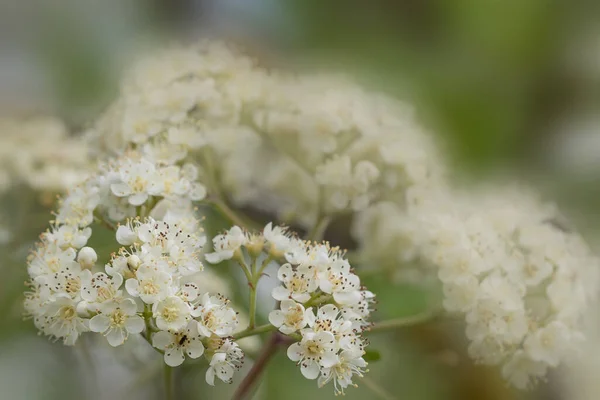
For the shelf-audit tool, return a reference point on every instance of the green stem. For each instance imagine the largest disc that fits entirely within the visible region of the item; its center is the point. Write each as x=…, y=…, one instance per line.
x=255, y=331
x=252, y=310
x=318, y=230
x=169, y=387
x=147, y=314
x=246, y=270
x=318, y=299
x=223, y=208
x=264, y=265
x=401, y=322
x=105, y=223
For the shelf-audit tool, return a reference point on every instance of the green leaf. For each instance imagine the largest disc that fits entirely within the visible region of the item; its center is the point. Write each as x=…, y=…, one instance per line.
x=372, y=355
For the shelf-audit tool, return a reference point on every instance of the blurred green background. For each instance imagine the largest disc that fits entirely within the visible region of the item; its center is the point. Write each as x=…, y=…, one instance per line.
x=497, y=80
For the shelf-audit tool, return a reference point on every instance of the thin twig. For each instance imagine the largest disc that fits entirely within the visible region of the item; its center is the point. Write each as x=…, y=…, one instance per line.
x=377, y=389
x=245, y=387
x=256, y=331
x=401, y=322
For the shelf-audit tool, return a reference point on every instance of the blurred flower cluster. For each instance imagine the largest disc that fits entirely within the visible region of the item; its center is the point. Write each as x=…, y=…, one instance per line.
x=206, y=125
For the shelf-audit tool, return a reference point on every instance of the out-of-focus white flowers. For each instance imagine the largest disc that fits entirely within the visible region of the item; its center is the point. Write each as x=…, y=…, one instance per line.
x=317, y=142
x=522, y=281
x=40, y=153
x=206, y=123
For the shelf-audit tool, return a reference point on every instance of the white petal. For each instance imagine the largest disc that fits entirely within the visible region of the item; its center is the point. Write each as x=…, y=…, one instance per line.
x=225, y=372
x=295, y=351
x=210, y=376
x=195, y=348
x=276, y=318
x=285, y=272
x=116, y=337
x=128, y=306
x=162, y=339
x=310, y=371
x=301, y=297
x=281, y=293
x=120, y=189
x=134, y=324
x=287, y=304
x=347, y=298
x=132, y=285
x=329, y=359
x=174, y=357
x=99, y=323
x=138, y=199
x=213, y=258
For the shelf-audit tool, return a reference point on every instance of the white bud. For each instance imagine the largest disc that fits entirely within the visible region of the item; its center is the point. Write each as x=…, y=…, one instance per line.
x=133, y=261
x=87, y=257
x=125, y=235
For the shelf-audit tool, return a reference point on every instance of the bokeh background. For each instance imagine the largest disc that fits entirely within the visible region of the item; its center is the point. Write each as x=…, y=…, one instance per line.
x=510, y=87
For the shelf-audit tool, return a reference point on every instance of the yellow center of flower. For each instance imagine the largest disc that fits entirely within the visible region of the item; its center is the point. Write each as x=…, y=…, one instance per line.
x=67, y=313
x=149, y=287
x=170, y=314
x=118, y=318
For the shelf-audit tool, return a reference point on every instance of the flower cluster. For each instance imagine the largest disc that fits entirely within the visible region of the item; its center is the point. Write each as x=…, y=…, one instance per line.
x=317, y=142
x=507, y=262
x=304, y=149
x=123, y=184
x=320, y=299
x=40, y=153
x=148, y=286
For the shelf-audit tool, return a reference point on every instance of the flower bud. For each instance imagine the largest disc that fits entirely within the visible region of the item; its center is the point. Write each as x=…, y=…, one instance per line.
x=133, y=262
x=87, y=257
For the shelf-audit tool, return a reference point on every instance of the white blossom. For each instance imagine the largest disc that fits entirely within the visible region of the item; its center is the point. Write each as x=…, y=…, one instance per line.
x=116, y=320
x=290, y=318
x=175, y=345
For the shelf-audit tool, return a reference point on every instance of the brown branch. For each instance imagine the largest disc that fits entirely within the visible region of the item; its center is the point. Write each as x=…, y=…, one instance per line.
x=245, y=387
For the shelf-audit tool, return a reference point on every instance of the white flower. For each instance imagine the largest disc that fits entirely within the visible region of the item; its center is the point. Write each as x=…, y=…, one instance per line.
x=67, y=236
x=116, y=320
x=315, y=350
x=151, y=284
x=278, y=239
x=169, y=183
x=99, y=288
x=348, y=364
x=136, y=178
x=461, y=294
x=548, y=344
x=297, y=285
x=63, y=282
x=188, y=341
x=359, y=313
x=290, y=318
x=339, y=281
x=215, y=316
x=77, y=208
x=521, y=371
x=225, y=361
x=225, y=245
x=184, y=253
x=172, y=313
x=87, y=257
x=50, y=259
x=61, y=319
